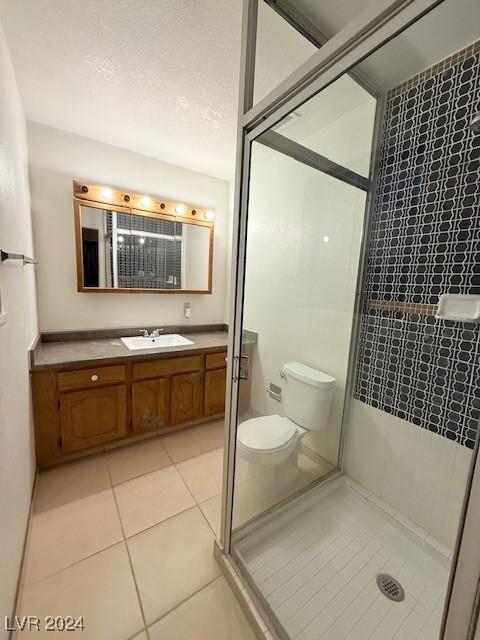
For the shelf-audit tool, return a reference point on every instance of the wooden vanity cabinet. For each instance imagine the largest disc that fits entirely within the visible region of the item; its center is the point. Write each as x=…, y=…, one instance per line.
x=150, y=404
x=77, y=412
x=91, y=417
x=187, y=392
x=215, y=383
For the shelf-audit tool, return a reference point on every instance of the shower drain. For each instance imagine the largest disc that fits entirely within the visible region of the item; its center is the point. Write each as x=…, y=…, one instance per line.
x=390, y=587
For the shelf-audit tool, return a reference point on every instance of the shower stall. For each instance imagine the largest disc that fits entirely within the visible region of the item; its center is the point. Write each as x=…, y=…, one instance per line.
x=351, y=502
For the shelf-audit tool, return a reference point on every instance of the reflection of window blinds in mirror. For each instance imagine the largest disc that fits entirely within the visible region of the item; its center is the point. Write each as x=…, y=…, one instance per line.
x=148, y=252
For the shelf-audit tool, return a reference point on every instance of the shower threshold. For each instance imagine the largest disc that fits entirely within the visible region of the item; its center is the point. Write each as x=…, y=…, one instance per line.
x=315, y=567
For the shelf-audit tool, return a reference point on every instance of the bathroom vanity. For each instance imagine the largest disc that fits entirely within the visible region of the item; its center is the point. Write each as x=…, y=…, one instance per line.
x=88, y=393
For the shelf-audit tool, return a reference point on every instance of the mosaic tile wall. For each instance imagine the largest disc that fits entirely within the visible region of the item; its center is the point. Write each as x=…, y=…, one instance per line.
x=425, y=241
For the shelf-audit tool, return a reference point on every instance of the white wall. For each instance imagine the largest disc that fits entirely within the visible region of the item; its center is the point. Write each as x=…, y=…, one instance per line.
x=280, y=50
x=17, y=286
x=299, y=290
x=56, y=158
x=420, y=474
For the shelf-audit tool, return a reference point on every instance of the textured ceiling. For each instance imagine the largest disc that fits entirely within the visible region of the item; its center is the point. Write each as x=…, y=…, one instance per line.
x=161, y=76
x=155, y=76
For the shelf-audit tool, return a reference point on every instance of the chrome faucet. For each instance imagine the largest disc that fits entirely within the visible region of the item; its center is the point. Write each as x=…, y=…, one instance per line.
x=155, y=333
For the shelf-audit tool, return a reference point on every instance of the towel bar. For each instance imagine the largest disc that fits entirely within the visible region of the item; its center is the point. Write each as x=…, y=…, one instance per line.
x=5, y=255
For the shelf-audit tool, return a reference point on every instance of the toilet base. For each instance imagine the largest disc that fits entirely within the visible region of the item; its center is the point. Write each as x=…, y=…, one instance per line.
x=277, y=477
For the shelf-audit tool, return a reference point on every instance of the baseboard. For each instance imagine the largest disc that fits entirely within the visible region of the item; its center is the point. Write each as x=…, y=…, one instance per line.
x=26, y=542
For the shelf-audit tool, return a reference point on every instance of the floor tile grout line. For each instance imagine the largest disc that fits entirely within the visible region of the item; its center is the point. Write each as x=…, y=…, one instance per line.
x=196, y=505
x=334, y=557
x=118, y=542
x=199, y=505
x=331, y=527
x=165, y=449
x=195, y=455
x=156, y=524
x=324, y=548
x=130, y=563
x=362, y=617
x=192, y=595
x=186, y=485
x=173, y=464
x=395, y=522
x=103, y=457
x=124, y=539
x=395, y=527
x=135, y=635
x=197, y=502
x=332, y=579
x=357, y=595
x=142, y=475
x=74, y=564
x=328, y=528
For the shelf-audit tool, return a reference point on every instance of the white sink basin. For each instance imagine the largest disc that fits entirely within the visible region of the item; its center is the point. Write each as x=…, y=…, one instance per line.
x=168, y=340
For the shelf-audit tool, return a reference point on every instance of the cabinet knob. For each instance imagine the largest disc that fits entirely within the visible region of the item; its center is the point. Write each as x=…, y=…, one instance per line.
x=94, y=378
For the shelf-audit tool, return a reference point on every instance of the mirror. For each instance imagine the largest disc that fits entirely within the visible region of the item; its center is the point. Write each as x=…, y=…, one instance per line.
x=125, y=250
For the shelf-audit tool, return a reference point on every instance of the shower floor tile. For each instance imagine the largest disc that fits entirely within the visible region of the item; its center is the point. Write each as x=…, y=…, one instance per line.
x=316, y=568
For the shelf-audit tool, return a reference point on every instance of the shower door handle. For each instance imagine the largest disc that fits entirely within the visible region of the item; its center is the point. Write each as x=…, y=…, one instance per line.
x=240, y=368
x=243, y=370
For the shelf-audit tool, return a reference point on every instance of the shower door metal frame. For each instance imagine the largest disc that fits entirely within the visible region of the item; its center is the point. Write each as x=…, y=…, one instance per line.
x=372, y=28
x=375, y=26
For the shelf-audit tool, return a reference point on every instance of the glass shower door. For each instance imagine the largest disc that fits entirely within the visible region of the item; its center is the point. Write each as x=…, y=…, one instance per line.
x=308, y=189
x=360, y=532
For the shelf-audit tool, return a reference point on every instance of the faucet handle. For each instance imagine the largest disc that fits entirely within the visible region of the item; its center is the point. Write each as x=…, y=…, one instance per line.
x=144, y=332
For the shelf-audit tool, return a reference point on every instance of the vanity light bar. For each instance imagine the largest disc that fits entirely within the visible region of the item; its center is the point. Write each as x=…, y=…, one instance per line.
x=128, y=200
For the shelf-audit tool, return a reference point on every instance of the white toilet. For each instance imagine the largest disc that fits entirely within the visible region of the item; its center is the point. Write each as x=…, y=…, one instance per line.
x=273, y=441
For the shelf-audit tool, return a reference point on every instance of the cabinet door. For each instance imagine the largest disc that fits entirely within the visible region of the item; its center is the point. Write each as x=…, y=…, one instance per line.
x=92, y=416
x=215, y=383
x=150, y=404
x=186, y=397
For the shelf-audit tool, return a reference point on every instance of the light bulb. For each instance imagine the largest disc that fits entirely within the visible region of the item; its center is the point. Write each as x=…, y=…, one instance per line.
x=106, y=193
x=120, y=238
x=180, y=209
x=145, y=202
x=325, y=239
x=209, y=215
x=142, y=240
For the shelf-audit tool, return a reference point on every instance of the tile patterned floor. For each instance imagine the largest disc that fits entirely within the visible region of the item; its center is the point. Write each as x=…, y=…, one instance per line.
x=125, y=539
x=316, y=568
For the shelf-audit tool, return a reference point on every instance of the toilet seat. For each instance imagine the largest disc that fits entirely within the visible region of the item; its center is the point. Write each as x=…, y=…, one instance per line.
x=267, y=434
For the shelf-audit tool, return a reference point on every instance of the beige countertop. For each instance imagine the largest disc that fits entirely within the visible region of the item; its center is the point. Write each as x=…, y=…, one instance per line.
x=77, y=353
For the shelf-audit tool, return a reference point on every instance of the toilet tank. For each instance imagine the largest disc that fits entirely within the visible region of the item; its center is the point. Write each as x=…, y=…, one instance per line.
x=307, y=395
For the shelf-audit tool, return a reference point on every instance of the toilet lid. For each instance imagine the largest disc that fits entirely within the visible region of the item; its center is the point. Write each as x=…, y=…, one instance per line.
x=266, y=432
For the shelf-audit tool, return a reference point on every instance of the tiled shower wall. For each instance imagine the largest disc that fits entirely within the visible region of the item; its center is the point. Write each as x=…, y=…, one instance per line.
x=425, y=241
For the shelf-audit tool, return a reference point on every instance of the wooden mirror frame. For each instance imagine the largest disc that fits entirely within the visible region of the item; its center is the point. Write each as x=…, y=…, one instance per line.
x=123, y=201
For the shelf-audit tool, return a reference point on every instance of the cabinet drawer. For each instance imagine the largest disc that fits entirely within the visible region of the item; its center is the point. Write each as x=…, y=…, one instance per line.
x=90, y=378
x=215, y=360
x=166, y=367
